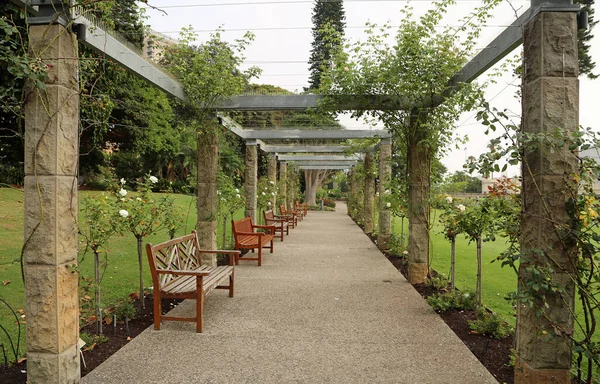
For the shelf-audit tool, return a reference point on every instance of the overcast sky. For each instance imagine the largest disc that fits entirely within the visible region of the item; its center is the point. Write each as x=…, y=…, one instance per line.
x=283, y=39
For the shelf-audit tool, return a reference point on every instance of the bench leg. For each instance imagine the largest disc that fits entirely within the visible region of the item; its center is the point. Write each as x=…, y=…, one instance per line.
x=199, y=303
x=272, y=245
x=157, y=308
x=231, y=284
x=259, y=255
x=281, y=233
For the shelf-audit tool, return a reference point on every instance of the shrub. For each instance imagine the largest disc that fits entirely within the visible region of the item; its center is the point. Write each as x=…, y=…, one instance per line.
x=12, y=175
x=329, y=203
x=452, y=300
x=490, y=323
x=438, y=282
x=92, y=340
x=125, y=310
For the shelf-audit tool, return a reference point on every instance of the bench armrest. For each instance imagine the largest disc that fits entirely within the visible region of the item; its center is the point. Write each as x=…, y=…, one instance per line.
x=269, y=227
x=250, y=233
x=182, y=272
x=233, y=255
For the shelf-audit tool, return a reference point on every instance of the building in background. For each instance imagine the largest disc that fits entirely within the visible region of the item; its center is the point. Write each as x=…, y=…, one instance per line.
x=155, y=43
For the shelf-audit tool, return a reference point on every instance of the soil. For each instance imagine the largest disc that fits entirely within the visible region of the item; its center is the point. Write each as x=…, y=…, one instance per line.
x=493, y=354
x=116, y=337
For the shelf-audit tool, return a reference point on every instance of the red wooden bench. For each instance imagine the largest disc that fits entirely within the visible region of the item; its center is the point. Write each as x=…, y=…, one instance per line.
x=292, y=215
x=246, y=237
x=302, y=207
x=279, y=222
x=177, y=272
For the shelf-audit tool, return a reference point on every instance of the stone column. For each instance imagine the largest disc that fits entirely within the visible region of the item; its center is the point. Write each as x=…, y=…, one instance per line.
x=369, y=194
x=385, y=173
x=208, y=157
x=283, y=183
x=292, y=191
x=272, y=175
x=250, y=181
x=550, y=102
x=50, y=223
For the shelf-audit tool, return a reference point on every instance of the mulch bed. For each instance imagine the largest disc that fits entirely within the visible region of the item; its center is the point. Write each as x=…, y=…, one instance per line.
x=493, y=354
x=117, y=337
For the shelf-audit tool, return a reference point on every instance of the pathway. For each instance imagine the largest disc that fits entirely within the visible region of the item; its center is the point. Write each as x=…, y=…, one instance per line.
x=325, y=307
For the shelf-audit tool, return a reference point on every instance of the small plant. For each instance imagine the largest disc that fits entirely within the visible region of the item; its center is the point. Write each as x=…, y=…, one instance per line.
x=442, y=302
x=125, y=310
x=490, y=323
x=91, y=340
x=439, y=282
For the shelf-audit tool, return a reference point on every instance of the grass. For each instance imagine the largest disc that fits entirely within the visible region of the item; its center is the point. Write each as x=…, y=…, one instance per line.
x=497, y=281
x=120, y=277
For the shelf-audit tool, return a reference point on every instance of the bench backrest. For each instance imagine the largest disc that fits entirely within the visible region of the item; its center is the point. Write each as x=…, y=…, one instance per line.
x=282, y=209
x=177, y=254
x=268, y=215
x=242, y=225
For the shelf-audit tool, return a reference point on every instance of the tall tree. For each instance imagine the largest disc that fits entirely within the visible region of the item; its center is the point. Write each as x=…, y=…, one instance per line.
x=327, y=14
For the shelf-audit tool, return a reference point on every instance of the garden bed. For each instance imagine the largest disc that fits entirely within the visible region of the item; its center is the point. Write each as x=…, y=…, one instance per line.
x=493, y=354
x=114, y=339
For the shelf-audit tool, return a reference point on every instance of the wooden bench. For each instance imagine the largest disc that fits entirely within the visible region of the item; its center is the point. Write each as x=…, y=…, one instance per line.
x=279, y=222
x=302, y=208
x=177, y=272
x=246, y=237
x=292, y=215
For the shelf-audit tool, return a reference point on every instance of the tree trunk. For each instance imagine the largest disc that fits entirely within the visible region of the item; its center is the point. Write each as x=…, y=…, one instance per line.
x=207, y=191
x=141, y=265
x=97, y=291
x=419, y=168
x=313, y=179
x=250, y=181
x=478, y=290
x=452, y=263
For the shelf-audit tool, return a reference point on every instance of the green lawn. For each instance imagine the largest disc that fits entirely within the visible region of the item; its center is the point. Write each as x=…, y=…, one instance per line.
x=496, y=280
x=121, y=274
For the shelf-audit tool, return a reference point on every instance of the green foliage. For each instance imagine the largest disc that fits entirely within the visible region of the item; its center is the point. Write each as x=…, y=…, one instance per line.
x=124, y=310
x=92, y=340
x=442, y=302
x=460, y=181
x=489, y=323
x=438, y=282
x=584, y=38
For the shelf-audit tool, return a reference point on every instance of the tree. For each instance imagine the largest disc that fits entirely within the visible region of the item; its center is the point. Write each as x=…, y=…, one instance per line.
x=584, y=37
x=325, y=13
x=208, y=72
x=416, y=66
x=460, y=181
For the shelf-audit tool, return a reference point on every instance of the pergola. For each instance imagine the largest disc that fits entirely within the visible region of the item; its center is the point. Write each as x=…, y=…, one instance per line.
x=549, y=32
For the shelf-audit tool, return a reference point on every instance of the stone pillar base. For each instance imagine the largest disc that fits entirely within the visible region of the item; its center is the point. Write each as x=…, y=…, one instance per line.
x=417, y=273
x=525, y=374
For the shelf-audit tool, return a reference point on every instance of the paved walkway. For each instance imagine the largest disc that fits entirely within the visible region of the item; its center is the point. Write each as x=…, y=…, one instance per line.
x=325, y=307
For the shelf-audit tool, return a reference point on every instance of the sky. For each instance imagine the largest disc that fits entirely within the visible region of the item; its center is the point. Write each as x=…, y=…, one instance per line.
x=283, y=40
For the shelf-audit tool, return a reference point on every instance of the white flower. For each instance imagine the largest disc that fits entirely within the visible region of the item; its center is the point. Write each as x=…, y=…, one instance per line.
x=387, y=192
x=263, y=193
x=272, y=182
x=272, y=193
x=123, y=192
x=449, y=199
x=122, y=181
x=466, y=295
x=123, y=213
x=238, y=195
x=138, y=199
x=388, y=205
x=346, y=69
x=237, y=190
x=269, y=203
x=405, y=252
x=377, y=194
x=461, y=207
x=153, y=179
x=218, y=192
